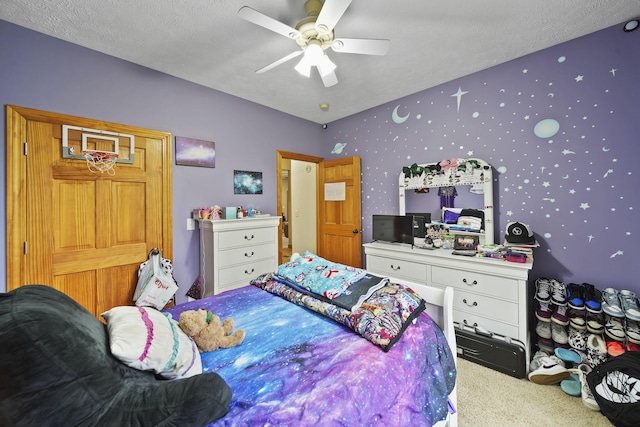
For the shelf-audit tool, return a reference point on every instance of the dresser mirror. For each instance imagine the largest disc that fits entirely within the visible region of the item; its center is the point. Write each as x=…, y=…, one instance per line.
x=455, y=183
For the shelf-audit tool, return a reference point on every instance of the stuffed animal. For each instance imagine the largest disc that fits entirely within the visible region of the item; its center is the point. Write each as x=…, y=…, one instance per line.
x=208, y=332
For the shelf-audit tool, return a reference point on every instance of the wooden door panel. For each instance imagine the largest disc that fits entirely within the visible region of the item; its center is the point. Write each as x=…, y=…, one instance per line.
x=85, y=233
x=340, y=238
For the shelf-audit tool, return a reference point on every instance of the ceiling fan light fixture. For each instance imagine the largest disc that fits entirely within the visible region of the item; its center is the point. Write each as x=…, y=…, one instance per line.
x=326, y=66
x=304, y=67
x=313, y=53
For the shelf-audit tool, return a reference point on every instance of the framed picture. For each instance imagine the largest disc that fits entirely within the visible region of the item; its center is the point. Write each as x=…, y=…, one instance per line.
x=465, y=242
x=245, y=182
x=195, y=152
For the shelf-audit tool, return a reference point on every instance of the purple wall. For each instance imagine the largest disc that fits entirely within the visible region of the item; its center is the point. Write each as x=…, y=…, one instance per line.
x=561, y=128
x=49, y=74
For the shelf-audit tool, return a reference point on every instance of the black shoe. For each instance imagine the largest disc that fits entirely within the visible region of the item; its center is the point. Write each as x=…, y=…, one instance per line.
x=592, y=298
x=575, y=297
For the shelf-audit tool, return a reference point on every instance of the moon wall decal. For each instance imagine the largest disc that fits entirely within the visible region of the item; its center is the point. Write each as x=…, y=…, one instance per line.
x=396, y=118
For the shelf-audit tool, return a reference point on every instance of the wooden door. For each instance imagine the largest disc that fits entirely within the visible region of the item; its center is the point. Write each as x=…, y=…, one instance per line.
x=84, y=233
x=340, y=221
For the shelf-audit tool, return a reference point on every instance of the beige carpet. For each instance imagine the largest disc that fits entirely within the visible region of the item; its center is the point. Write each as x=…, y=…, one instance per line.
x=490, y=398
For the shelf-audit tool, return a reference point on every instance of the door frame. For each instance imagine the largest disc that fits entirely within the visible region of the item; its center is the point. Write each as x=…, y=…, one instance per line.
x=280, y=156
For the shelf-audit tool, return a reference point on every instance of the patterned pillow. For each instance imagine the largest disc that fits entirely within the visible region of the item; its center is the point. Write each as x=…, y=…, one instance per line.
x=148, y=340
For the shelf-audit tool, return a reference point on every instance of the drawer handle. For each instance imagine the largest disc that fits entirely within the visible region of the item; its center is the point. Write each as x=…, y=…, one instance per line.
x=475, y=282
x=249, y=255
x=475, y=324
x=395, y=268
x=248, y=238
x=249, y=272
x=475, y=303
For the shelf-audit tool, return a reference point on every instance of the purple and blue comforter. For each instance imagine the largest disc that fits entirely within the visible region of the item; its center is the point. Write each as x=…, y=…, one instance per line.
x=299, y=368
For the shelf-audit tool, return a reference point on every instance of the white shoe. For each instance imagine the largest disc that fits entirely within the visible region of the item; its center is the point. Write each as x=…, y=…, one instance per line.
x=559, y=334
x=551, y=370
x=596, y=350
x=587, y=397
x=543, y=329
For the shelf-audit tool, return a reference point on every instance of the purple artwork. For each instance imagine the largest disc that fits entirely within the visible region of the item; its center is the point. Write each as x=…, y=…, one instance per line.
x=195, y=152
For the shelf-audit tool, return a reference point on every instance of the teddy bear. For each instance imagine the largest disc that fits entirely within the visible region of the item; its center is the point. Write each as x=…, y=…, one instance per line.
x=208, y=332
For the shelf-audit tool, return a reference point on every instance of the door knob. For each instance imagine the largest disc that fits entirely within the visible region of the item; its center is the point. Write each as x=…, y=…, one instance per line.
x=356, y=231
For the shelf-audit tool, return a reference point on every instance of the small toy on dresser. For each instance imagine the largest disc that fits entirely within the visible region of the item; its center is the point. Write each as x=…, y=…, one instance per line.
x=208, y=332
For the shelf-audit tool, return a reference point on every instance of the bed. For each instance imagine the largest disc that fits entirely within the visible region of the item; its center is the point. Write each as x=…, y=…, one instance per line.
x=298, y=367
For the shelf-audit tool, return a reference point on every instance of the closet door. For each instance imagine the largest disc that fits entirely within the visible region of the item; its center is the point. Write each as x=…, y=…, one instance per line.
x=85, y=233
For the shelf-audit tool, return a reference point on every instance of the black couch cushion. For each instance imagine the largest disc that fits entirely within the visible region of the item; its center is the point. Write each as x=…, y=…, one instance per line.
x=56, y=369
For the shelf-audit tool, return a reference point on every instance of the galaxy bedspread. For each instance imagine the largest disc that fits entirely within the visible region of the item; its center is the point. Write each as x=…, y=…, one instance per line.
x=298, y=368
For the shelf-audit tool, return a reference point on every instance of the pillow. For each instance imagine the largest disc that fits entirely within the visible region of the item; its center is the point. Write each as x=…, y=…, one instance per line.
x=148, y=340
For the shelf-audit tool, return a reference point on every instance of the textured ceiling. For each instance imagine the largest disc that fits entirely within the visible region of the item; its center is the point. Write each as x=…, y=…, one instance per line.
x=432, y=42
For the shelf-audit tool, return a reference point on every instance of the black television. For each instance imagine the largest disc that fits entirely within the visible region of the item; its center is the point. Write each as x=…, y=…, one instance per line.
x=420, y=221
x=393, y=228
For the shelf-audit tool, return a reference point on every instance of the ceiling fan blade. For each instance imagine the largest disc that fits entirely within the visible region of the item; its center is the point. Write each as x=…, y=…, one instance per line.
x=361, y=46
x=328, y=79
x=267, y=22
x=280, y=61
x=330, y=14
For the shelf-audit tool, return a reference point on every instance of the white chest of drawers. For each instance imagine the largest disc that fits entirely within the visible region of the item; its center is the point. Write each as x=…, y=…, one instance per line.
x=235, y=251
x=488, y=293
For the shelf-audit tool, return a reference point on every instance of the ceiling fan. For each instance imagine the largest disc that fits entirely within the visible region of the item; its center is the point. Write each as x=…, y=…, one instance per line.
x=314, y=34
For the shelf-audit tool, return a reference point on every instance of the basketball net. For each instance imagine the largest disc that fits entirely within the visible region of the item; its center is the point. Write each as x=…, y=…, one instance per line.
x=101, y=161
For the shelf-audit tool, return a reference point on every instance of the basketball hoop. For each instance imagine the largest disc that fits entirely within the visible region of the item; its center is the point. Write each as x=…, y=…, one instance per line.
x=100, y=161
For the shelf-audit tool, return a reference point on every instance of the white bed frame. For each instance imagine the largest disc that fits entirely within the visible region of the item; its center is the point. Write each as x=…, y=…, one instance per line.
x=440, y=308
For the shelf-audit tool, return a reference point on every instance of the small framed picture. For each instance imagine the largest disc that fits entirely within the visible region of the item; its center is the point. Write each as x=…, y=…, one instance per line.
x=465, y=242
x=246, y=182
x=195, y=152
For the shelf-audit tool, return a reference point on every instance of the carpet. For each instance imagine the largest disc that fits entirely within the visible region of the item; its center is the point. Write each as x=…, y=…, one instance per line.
x=488, y=398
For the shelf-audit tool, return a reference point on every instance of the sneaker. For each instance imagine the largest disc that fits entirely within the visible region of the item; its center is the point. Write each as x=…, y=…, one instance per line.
x=559, y=334
x=536, y=362
x=578, y=319
x=631, y=346
x=577, y=339
x=596, y=350
x=611, y=303
x=629, y=304
x=550, y=371
x=595, y=323
x=632, y=331
x=545, y=344
x=614, y=329
x=615, y=348
x=592, y=298
x=560, y=315
x=575, y=298
x=587, y=397
x=543, y=312
x=543, y=329
x=543, y=290
x=558, y=292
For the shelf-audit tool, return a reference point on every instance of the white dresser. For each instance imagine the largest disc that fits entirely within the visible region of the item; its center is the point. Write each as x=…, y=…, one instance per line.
x=235, y=251
x=488, y=293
